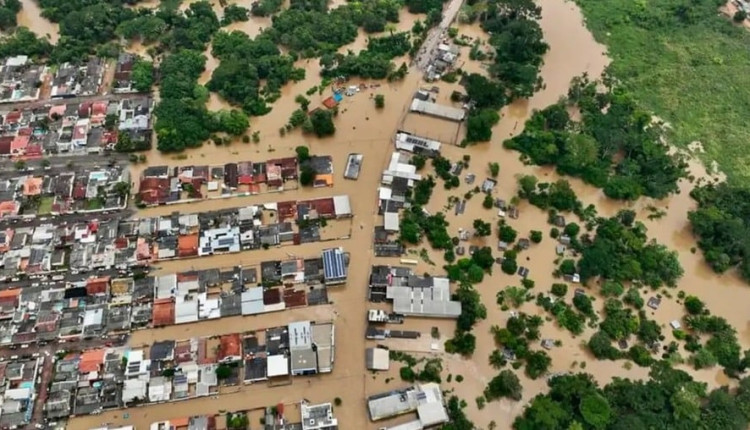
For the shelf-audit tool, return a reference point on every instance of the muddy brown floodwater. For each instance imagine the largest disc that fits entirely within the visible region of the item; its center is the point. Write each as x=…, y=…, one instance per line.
x=30, y=16
x=363, y=129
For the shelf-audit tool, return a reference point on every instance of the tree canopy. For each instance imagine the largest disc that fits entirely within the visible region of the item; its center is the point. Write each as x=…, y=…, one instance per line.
x=616, y=146
x=722, y=224
x=621, y=253
x=669, y=399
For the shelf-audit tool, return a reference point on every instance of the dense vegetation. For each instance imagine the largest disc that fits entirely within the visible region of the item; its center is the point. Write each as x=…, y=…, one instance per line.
x=519, y=48
x=24, y=42
x=615, y=146
x=244, y=63
x=721, y=223
x=8, y=11
x=674, y=56
x=670, y=399
x=182, y=120
x=620, y=251
x=374, y=62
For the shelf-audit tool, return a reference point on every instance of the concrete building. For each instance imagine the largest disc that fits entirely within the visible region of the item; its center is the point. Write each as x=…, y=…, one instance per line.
x=437, y=110
x=416, y=144
x=318, y=417
x=377, y=359
x=425, y=399
x=423, y=297
x=304, y=361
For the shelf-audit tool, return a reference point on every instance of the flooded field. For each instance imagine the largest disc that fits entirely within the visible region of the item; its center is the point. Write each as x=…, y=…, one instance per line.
x=30, y=16
x=366, y=130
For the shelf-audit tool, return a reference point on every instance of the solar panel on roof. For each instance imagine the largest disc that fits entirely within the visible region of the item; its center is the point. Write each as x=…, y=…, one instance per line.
x=226, y=241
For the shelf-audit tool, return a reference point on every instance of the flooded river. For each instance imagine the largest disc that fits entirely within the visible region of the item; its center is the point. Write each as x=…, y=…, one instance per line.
x=364, y=129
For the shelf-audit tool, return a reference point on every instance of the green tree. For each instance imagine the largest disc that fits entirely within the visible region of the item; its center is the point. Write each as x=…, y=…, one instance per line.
x=596, y=411
x=479, y=125
x=322, y=123
x=537, y=364
x=307, y=175
x=482, y=228
x=504, y=384
x=488, y=201
x=303, y=154
x=559, y=290
x=694, y=305
x=509, y=265
x=418, y=161
x=507, y=233
x=494, y=169
x=142, y=75
x=223, y=371
x=535, y=236
x=379, y=101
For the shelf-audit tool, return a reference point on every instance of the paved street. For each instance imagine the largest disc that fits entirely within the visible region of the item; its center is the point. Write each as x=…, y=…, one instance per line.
x=63, y=101
x=435, y=35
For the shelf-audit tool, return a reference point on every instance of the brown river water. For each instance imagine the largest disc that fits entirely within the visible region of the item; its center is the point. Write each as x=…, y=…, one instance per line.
x=363, y=129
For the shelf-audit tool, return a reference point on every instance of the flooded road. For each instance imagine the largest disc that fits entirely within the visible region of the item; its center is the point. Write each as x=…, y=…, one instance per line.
x=364, y=129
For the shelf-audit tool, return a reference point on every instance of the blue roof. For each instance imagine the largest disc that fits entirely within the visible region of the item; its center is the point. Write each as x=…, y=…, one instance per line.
x=334, y=267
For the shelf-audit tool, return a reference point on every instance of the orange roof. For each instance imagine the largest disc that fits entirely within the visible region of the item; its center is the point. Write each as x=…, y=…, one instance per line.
x=91, y=360
x=162, y=312
x=8, y=207
x=32, y=186
x=229, y=346
x=330, y=103
x=104, y=279
x=179, y=422
x=187, y=244
x=12, y=293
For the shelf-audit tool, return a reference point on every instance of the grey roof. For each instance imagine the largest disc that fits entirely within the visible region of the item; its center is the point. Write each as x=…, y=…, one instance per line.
x=162, y=350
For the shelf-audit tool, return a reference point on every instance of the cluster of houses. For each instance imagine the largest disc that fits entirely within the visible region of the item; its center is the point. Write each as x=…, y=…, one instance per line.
x=397, y=182
x=443, y=60
x=19, y=383
x=310, y=417
x=182, y=235
x=161, y=185
x=117, y=244
x=23, y=80
x=104, y=378
x=70, y=311
x=75, y=128
x=28, y=193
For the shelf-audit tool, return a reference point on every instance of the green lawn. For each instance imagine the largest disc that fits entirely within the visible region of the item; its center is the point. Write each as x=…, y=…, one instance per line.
x=95, y=203
x=45, y=205
x=688, y=65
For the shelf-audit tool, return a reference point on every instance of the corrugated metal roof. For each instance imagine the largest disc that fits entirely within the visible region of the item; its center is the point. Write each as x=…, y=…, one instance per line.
x=334, y=266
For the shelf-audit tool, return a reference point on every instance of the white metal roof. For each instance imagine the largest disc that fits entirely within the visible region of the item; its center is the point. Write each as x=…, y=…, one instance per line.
x=341, y=205
x=277, y=365
x=377, y=359
x=391, y=221
x=434, y=109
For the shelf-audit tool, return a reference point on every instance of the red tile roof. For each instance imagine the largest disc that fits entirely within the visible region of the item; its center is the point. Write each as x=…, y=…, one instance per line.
x=91, y=360
x=229, y=346
x=162, y=313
